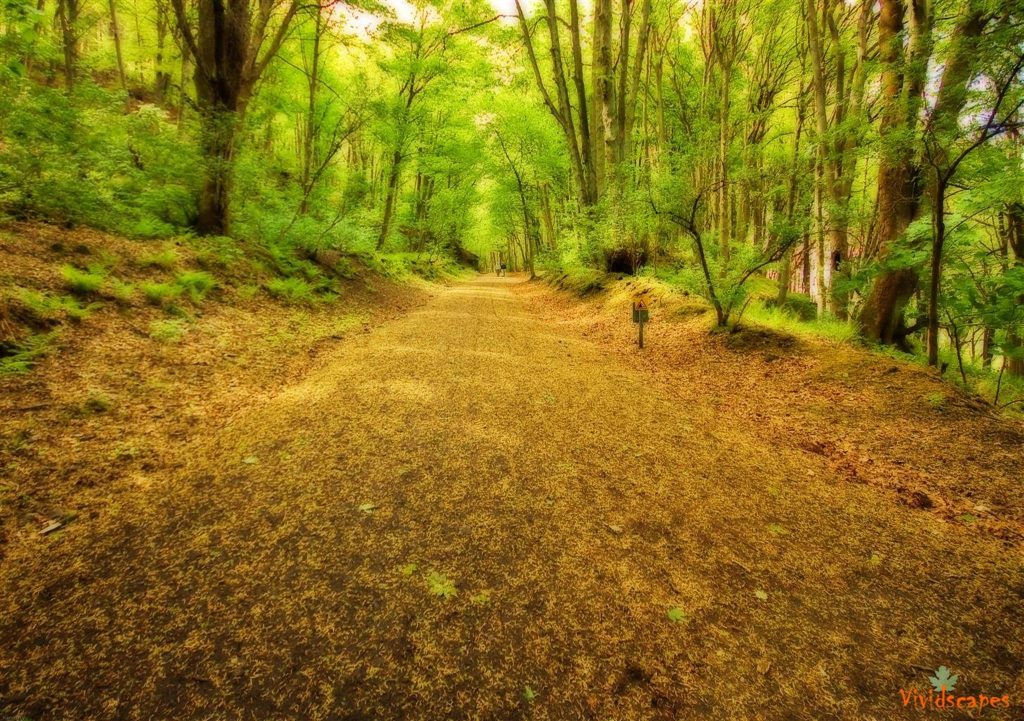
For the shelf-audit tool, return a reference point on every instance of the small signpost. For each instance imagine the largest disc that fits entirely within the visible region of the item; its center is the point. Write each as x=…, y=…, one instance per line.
x=640, y=316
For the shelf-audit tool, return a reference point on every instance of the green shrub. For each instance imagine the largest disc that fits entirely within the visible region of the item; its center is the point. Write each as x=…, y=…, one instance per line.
x=581, y=281
x=167, y=331
x=218, y=252
x=56, y=308
x=248, y=291
x=160, y=293
x=83, y=282
x=120, y=291
x=166, y=259
x=21, y=357
x=196, y=283
x=292, y=290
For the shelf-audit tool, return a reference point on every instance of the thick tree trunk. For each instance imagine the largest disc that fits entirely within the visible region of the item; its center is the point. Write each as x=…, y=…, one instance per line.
x=882, y=316
x=219, y=130
x=225, y=42
x=163, y=78
x=604, y=145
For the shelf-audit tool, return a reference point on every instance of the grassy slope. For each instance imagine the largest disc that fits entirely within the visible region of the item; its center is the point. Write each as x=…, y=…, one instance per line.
x=125, y=375
x=876, y=419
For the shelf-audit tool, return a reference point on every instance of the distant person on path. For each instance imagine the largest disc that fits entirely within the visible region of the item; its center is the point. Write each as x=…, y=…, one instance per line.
x=503, y=267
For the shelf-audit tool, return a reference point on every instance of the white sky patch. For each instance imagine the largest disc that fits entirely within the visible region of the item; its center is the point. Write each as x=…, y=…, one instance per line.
x=506, y=7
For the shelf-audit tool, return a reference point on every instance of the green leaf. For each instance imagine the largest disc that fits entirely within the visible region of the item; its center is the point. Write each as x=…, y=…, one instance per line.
x=441, y=585
x=529, y=694
x=676, y=615
x=368, y=507
x=761, y=595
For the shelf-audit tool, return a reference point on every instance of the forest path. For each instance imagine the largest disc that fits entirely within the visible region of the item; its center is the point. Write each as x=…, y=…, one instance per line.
x=472, y=513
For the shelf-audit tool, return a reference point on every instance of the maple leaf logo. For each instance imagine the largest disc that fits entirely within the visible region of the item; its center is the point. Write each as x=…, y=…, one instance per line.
x=942, y=681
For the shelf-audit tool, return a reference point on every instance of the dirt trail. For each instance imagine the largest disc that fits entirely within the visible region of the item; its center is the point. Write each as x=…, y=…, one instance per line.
x=301, y=563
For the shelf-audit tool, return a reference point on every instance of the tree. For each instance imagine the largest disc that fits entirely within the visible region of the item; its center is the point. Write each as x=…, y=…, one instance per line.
x=231, y=44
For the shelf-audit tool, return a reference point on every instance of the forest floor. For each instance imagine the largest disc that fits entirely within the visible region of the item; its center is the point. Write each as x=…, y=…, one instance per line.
x=493, y=506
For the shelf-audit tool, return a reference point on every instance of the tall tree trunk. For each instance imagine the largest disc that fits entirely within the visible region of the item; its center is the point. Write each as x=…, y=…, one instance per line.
x=163, y=78
x=603, y=93
x=935, y=282
x=898, y=190
x=311, y=130
x=219, y=131
x=1015, y=243
x=227, y=46
x=115, y=32
x=67, y=17
x=389, y=198
x=724, y=211
x=587, y=169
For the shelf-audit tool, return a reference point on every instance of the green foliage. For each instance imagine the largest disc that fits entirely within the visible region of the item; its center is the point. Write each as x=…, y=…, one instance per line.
x=168, y=331
x=56, y=308
x=160, y=293
x=195, y=283
x=441, y=585
x=581, y=281
x=166, y=258
x=827, y=327
x=82, y=282
x=291, y=290
x=20, y=357
x=120, y=291
x=79, y=158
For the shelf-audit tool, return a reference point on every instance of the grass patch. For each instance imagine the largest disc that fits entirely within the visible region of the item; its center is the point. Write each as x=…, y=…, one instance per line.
x=83, y=282
x=779, y=319
x=195, y=283
x=165, y=259
x=167, y=331
x=120, y=291
x=291, y=290
x=581, y=281
x=160, y=293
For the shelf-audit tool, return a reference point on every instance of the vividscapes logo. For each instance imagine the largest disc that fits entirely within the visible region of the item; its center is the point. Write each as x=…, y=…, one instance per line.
x=941, y=696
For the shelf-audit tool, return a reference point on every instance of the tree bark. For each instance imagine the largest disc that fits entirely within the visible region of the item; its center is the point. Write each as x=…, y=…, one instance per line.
x=389, y=198
x=115, y=32
x=881, y=319
x=67, y=18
